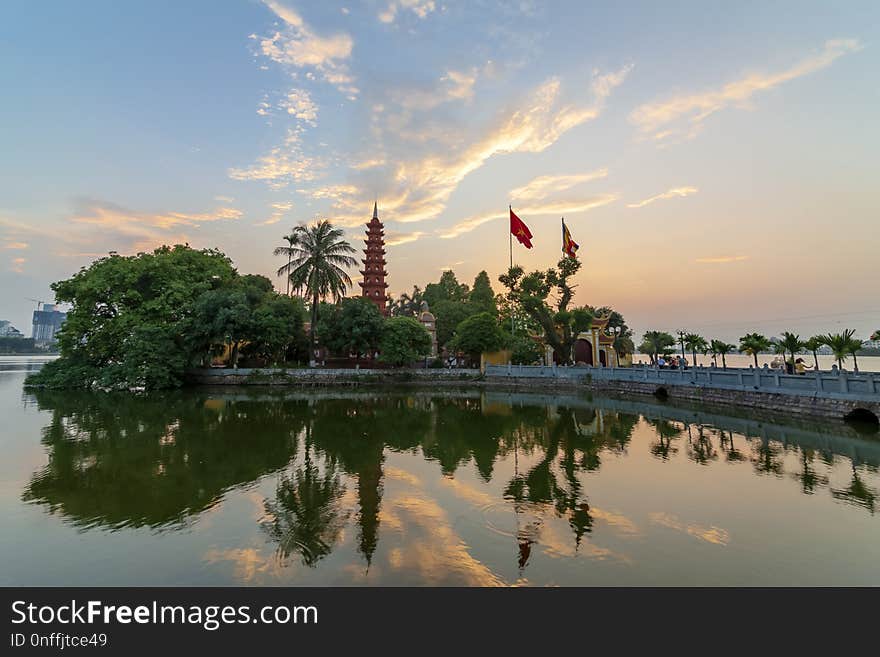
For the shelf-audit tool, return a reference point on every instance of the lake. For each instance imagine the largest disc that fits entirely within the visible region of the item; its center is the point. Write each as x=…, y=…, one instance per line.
x=404, y=487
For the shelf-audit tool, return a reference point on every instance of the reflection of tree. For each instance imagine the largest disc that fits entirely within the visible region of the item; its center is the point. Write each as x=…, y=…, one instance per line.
x=731, y=451
x=766, y=457
x=121, y=460
x=700, y=448
x=665, y=431
x=808, y=477
x=305, y=516
x=857, y=493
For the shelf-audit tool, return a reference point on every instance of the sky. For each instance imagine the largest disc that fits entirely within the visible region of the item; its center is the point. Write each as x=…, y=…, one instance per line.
x=717, y=162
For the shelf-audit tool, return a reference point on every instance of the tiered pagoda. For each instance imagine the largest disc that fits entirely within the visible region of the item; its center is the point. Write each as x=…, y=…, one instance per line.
x=374, y=285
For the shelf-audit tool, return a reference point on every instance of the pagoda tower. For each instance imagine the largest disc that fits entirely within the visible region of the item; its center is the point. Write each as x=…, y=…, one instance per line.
x=374, y=273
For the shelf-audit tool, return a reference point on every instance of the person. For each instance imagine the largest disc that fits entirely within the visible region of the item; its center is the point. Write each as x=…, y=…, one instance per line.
x=661, y=362
x=800, y=367
x=683, y=363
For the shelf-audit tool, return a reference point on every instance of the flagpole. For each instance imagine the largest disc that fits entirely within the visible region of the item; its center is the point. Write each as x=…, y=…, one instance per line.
x=510, y=238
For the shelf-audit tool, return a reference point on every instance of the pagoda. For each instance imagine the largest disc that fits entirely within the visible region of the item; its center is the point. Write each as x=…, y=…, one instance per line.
x=374, y=273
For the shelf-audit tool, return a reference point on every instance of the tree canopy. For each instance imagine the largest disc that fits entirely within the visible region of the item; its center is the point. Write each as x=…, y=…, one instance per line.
x=404, y=340
x=477, y=334
x=354, y=326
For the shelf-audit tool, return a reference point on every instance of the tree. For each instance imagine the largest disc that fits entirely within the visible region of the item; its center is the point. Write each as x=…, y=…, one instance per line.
x=447, y=289
x=842, y=346
x=524, y=350
x=278, y=330
x=876, y=335
x=477, y=334
x=481, y=297
x=408, y=305
x=694, y=343
x=318, y=259
x=289, y=252
x=753, y=344
x=354, y=326
x=791, y=343
x=721, y=348
x=655, y=343
x=128, y=318
x=813, y=345
x=404, y=340
x=448, y=315
x=530, y=293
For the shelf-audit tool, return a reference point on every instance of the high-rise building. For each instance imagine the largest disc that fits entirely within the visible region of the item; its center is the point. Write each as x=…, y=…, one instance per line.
x=47, y=321
x=7, y=330
x=374, y=286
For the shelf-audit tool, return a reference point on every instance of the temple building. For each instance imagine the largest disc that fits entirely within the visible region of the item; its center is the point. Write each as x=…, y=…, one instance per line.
x=596, y=347
x=374, y=286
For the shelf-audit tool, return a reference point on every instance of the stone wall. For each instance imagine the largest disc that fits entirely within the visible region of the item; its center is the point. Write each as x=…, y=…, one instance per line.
x=331, y=377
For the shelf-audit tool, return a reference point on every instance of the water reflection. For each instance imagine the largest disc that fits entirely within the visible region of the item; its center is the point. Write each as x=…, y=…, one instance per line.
x=161, y=461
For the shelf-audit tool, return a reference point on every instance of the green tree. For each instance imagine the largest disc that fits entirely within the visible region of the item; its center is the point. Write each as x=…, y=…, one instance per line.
x=694, y=343
x=289, y=252
x=842, y=346
x=317, y=267
x=448, y=315
x=128, y=316
x=477, y=334
x=655, y=343
x=530, y=292
x=404, y=340
x=524, y=350
x=753, y=344
x=791, y=343
x=876, y=335
x=812, y=345
x=481, y=297
x=278, y=330
x=354, y=326
x=446, y=289
x=408, y=305
x=721, y=348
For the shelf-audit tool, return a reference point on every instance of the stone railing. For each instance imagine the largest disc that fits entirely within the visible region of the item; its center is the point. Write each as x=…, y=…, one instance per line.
x=840, y=384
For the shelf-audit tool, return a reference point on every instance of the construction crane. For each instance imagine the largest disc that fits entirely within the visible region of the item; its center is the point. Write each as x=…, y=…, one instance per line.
x=37, y=301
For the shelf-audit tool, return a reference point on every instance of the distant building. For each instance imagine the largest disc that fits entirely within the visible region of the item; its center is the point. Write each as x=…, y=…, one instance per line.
x=7, y=330
x=427, y=319
x=47, y=322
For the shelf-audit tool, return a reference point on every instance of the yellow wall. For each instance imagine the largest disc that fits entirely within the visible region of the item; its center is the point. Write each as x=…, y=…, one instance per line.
x=501, y=357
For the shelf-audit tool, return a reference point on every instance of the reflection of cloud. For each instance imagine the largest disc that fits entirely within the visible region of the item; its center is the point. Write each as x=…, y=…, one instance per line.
x=542, y=186
x=711, y=534
x=434, y=552
x=247, y=563
x=402, y=475
x=722, y=259
x=620, y=522
x=543, y=209
x=672, y=193
x=684, y=114
x=467, y=492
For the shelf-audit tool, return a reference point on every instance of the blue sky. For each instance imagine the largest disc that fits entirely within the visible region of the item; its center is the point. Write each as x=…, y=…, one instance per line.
x=716, y=161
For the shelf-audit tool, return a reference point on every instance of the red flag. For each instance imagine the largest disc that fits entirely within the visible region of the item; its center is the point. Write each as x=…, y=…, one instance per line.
x=520, y=231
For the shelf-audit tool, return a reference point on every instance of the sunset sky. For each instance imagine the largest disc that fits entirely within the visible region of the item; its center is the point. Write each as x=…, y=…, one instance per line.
x=717, y=162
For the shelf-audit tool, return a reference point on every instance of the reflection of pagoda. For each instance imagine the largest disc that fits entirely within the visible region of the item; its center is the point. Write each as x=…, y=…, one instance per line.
x=374, y=273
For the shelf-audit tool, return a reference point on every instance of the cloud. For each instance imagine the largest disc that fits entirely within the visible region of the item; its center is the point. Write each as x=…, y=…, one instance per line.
x=299, y=103
x=722, y=259
x=395, y=238
x=9, y=243
x=543, y=186
x=278, y=211
x=672, y=193
x=224, y=199
x=420, y=8
x=299, y=46
x=281, y=165
x=558, y=208
x=17, y=265
x=683, y=115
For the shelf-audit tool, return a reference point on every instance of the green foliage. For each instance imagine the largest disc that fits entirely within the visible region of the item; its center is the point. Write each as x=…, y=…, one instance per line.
x=523, y=349
x=278, y=330
x=790, y=343
x=448, y=315
x=317, y=259
x=354, y=326
x=128, y=316
x=842, y=345
x=12, y=345
x=721, y=348
x=695, y=344
x=753, y=344
x=482, y=297
x=408, y=305
x=876, y=335
x=447, y=289
x=655, y=343
x=404, y=340
x=477, y=334
x=529, y=293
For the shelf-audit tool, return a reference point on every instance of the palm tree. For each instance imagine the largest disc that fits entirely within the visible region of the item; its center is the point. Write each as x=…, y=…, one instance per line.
x=753, y=344
x=813, y=345
x=694, y=343
x=408, y=305
x=842, y=346
x=791, y=343
x=655, y=342
x=721, y=348
x=288, y=251
x=318, y=255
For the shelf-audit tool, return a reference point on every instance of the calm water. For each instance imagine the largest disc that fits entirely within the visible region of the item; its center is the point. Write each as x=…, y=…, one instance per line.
x=270, y=487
